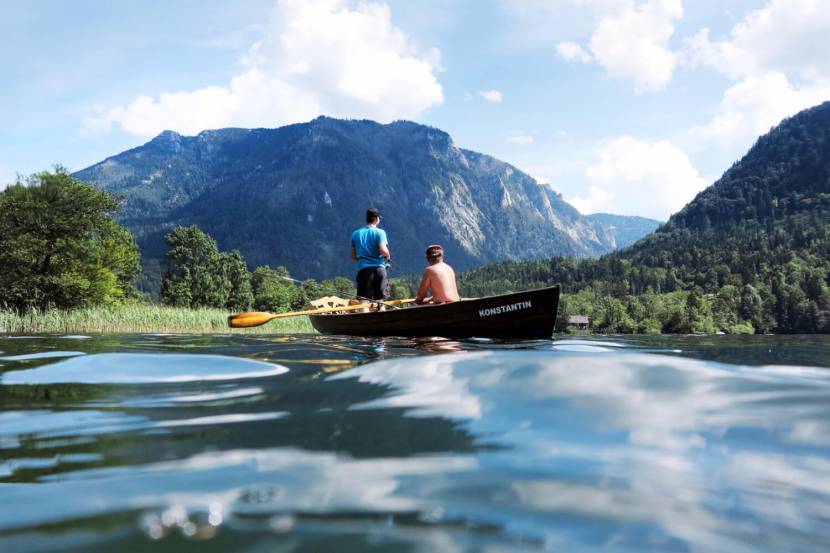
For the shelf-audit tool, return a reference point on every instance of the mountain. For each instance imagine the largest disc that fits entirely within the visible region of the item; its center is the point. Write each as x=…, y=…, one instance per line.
x=292, y=196
x=758, y=239
x=776, y=197
x=625, y=229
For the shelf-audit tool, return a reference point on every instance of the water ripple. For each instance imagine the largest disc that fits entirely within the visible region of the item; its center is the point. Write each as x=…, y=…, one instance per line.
x=702, y=444
x=42, y=355
x=142, y=368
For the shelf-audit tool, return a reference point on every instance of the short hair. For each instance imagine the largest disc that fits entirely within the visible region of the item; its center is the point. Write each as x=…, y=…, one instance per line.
x=371, y=214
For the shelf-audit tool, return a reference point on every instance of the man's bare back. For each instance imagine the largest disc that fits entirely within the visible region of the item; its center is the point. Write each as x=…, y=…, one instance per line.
x=440, y=278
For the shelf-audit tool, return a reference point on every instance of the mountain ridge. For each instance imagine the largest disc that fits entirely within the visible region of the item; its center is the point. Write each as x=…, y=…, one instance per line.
x=754, y=246
x=292, y=195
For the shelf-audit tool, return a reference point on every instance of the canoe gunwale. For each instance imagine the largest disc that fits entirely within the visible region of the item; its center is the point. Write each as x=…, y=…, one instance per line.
x=528, y=314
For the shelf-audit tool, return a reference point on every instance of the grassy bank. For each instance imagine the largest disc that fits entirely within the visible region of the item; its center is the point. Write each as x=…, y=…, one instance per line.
x=139, y=318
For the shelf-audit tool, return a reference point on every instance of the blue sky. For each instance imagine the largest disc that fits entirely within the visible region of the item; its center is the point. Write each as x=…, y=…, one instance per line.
x=627, y=106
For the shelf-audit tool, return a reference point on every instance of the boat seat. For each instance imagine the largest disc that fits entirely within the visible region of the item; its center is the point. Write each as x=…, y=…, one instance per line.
x=329, y=301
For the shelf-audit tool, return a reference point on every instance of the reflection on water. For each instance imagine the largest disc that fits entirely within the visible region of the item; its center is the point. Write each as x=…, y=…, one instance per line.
x=313, y=443
x=142, y=368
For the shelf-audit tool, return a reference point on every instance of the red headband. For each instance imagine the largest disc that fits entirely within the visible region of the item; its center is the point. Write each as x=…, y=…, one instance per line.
x=434, y=250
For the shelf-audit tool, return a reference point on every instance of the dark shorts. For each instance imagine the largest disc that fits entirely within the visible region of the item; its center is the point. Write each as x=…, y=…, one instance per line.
x=372, y=283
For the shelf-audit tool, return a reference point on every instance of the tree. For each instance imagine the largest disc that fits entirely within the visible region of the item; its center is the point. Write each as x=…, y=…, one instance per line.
x=196, y=273
x=240, y=295
x=60, y=246
x=697, y=314
x=273, y=290
x=399, y=290
x=345, y=288
x=615, y=317
x=725, y=307
x=751, y=307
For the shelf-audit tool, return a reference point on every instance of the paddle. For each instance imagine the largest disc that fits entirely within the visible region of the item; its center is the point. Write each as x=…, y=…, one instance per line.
x=257, y=318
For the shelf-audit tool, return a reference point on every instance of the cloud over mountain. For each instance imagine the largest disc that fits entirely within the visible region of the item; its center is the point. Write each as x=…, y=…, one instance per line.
x=315, y=57
x=632, y=176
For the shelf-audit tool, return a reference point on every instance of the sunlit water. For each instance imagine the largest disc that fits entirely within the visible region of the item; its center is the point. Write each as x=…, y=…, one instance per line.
x=308, y=443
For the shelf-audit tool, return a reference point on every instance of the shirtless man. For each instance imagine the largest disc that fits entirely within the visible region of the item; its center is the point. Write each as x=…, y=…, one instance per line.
x=439, y=277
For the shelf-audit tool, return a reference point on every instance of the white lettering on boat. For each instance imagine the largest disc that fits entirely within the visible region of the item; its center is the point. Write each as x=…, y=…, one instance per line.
x=504, y=308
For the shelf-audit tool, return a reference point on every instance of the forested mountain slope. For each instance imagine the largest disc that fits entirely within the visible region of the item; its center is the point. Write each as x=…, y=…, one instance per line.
x=761, y=234
x=291, y=196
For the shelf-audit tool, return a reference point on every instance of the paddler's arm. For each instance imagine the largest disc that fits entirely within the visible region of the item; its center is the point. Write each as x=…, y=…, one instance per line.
x=354, y=254
x=384, y=252
x=423, y=289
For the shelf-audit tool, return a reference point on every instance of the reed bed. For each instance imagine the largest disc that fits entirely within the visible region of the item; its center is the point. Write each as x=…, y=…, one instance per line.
x=140, y=318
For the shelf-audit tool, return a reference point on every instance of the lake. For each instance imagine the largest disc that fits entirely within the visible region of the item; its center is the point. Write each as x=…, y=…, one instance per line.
x=313, y=443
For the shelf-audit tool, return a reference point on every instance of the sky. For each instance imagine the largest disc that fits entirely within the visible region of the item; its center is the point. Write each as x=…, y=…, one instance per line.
x=623, y=106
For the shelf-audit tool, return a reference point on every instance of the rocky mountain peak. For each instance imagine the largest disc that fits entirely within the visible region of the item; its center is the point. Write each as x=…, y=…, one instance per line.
x=292, y=195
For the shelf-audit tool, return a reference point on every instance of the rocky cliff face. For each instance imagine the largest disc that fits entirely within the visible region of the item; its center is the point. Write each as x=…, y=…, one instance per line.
x=291, y=196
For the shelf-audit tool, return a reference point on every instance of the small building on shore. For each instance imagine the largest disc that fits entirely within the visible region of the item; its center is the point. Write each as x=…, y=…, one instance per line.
x=579, y=321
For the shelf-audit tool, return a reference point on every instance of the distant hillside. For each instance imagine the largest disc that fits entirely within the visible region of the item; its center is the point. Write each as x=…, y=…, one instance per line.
x=625, y=229
x=776, y=198
x=758, y=237
x=291, y=196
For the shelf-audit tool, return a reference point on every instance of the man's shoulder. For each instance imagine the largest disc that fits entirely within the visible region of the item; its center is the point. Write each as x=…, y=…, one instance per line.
x=429, y=269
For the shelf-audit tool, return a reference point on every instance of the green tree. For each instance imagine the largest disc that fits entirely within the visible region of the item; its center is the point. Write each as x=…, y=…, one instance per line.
x=750, y=307
x=60, y=247
x=400, y=290
x=273, y=291
x=196, y=275
x=725, y=307
x=240, y=295
x=615, y=317
x=344, y=287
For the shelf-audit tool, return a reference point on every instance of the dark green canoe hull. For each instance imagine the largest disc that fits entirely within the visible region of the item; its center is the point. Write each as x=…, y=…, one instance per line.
x=530, y=314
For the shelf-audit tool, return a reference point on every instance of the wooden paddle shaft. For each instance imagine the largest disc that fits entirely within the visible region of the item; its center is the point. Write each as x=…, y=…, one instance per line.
x=257, y=318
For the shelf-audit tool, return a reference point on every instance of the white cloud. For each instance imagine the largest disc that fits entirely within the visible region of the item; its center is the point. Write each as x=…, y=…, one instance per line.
x=629, y=40
x=491, y=96
x=633, y=177
x=571, y=51
x=316, y=57
x=778, y=57
x=520, y=138
x=787, y=36
x=595, y=202
x=561, y=15
x=751, y=107
x=431, y=389
x=633, y=43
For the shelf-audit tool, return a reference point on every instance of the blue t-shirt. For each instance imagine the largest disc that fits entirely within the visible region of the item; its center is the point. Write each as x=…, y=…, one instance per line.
x=366, y=242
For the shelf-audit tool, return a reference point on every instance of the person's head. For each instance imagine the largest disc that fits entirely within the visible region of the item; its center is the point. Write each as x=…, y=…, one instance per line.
x=435, y=254
x=373, y=215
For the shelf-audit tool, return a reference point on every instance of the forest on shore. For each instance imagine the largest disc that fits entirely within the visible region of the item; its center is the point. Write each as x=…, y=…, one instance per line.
x=62, y=249
x=64, y=258
x=751, y=253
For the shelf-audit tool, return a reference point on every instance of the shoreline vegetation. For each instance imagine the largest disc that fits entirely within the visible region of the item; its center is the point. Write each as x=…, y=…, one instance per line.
x=761, y=266
x=139, y=318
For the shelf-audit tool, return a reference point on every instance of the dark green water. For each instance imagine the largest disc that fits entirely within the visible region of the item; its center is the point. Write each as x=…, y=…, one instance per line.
x=308, y=443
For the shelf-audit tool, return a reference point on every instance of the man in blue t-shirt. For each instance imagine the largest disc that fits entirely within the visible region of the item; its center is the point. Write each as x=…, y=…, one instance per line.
x=371, y=250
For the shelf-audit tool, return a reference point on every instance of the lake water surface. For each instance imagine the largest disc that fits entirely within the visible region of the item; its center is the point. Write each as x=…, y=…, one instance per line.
x=310, y=443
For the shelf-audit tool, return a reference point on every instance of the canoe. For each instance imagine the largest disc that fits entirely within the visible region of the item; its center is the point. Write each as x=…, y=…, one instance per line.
x=528, y=314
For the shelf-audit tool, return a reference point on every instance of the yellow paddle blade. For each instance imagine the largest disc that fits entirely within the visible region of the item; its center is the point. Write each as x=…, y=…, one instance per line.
x=245, y=320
